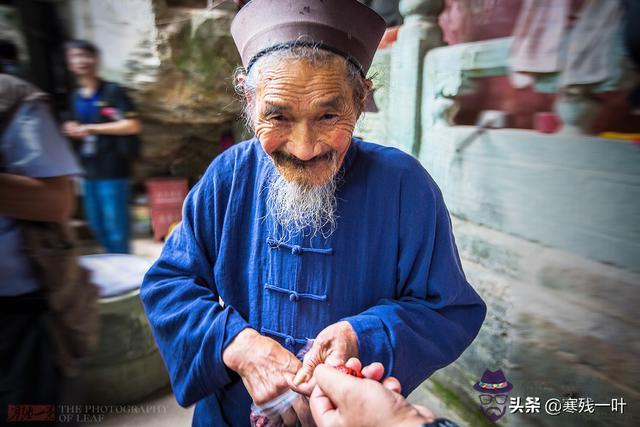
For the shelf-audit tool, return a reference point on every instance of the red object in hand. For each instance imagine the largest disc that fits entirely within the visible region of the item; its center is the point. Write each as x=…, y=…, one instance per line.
x=349, y=371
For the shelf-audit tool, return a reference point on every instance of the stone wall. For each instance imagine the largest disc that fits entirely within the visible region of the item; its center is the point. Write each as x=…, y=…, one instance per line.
x=10, y=29
x=178, y=63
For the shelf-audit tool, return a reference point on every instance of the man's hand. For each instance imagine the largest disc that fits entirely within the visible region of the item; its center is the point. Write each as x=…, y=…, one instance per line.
x=265, y=366
x=341, y=400
x=75, y=130
x=69, y=126
x=334, y=345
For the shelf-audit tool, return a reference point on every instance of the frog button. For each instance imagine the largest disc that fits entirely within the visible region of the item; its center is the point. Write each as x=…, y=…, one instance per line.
x=296, y=249
x=293, y=296
x=289, y=342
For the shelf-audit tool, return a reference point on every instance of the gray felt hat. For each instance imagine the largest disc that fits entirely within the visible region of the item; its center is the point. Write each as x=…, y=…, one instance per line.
x=345, y=27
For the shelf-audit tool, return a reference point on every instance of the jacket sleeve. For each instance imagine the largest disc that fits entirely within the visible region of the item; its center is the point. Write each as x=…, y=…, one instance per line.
x=190, y=326
x=435, y=314
x=118, y=96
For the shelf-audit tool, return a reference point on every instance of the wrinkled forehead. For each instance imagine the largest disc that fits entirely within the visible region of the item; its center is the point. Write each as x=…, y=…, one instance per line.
x=302, y=82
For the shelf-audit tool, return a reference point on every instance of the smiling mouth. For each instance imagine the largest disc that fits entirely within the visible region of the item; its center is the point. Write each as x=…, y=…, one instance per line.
x=287, y=160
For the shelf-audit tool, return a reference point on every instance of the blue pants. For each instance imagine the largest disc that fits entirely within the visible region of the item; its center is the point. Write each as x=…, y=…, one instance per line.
x=106, y=206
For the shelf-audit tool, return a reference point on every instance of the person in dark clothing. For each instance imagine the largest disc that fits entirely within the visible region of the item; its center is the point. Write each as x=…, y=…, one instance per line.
x=106, y=122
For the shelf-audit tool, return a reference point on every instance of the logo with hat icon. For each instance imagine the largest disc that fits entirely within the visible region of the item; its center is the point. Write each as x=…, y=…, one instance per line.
x=494, y=397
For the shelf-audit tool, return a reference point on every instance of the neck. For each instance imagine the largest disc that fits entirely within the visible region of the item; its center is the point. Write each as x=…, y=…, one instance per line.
x=88, y=83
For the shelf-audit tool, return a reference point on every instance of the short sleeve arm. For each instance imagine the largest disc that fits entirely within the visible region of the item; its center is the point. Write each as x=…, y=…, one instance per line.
x=125, y=104
x=32, y=144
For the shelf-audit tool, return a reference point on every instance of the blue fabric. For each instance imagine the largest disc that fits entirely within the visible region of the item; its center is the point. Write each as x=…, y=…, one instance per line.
x=30, y=146
x=391, y=268
x=109, y=156
x=86, y=109
x=106, y=206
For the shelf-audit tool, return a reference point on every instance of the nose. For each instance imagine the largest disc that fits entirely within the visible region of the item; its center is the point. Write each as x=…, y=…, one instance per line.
x=302, y=142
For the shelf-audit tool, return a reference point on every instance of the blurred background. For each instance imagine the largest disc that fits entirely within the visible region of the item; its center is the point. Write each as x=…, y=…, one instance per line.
x=526, y=113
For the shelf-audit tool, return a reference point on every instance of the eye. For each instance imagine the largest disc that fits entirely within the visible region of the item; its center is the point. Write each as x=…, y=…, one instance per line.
x=328, y=116
x=277, y=118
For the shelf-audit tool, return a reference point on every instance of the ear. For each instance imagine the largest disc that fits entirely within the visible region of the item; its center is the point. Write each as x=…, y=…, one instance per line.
x=368, y=89
x=249, y=96
x=366, y=100
x=369, y=84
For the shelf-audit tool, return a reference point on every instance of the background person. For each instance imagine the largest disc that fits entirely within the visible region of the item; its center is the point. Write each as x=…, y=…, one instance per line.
x=107, y=124
x=36, y=165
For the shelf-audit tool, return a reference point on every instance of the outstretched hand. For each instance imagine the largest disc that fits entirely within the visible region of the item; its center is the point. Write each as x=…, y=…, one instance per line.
x=342, y=400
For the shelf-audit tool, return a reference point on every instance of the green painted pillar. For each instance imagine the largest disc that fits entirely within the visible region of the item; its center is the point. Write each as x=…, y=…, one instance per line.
x=419, y=33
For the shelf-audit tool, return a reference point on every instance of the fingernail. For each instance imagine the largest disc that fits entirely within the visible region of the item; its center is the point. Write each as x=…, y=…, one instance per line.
x=300, y=378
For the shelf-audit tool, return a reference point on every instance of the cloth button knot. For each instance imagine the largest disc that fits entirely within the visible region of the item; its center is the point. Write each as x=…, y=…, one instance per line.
x=289, y=341
x=293, y=296
x=296, y=250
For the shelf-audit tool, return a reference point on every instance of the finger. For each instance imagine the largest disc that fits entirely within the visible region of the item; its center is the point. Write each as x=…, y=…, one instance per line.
x=335, y=360
x=301, y=406
x=311, y=359
x=375, y=371
x=304, y=389
x=288, y=377
x=354, y=363
x=425, y=413
x=337, y=386
x=322, y=409
x=392, y=384
x=289, y=417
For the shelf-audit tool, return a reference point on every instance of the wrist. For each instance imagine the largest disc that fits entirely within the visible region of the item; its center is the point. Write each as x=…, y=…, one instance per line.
x=236, y=353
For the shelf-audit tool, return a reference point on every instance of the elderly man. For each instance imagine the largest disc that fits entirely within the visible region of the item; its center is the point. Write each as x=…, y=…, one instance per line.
x=305, y=232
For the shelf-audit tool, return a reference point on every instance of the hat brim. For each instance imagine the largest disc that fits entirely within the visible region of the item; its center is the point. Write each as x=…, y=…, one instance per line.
x=506, y=389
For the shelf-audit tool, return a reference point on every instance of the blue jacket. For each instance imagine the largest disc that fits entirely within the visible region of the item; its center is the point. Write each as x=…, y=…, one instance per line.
x=391, y=269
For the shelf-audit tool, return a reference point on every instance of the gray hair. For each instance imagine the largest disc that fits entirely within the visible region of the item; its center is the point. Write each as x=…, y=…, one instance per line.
x=247, y=83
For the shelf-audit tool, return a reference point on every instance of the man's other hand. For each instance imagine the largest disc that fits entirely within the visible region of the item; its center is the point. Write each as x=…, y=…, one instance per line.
x=334, y=345
x=266, y=368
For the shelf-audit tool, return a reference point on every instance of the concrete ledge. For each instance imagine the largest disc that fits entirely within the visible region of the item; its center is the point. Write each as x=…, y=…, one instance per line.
x=579, y=194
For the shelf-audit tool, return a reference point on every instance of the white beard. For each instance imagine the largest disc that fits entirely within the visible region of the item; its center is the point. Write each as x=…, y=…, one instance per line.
x=302, y=208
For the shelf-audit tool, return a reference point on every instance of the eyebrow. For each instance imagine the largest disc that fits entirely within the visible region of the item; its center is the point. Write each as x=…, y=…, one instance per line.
x=332, y=103
x=270, y=108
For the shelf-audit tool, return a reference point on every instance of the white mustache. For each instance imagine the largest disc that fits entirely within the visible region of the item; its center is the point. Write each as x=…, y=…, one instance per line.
x=298, y=207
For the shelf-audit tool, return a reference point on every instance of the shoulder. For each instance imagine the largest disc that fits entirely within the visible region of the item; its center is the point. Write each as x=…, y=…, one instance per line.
x=238, y=161
x=393, y=163
x=113, y=90
x=33, y=145
x=236, y=156
x=112, y=86
x=397, y=170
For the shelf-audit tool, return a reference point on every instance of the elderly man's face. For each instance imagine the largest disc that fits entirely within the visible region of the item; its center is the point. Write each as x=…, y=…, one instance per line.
x=304, y=118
